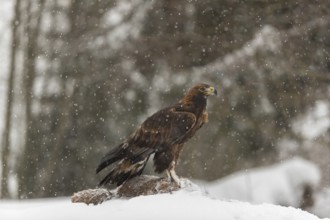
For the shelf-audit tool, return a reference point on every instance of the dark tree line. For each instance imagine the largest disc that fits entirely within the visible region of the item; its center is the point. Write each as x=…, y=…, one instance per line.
x=91, y=71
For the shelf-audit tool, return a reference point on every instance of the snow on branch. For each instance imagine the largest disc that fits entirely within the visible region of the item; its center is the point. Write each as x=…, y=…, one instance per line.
x=267, y=39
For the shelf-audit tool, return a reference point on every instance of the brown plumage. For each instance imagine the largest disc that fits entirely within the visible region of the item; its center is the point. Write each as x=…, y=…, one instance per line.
x=163, y=134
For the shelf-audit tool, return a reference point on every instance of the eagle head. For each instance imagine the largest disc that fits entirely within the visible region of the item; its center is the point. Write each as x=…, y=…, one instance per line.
x=203, y=89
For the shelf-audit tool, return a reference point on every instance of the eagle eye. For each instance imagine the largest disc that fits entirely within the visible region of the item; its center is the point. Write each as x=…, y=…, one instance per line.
x=202, y=89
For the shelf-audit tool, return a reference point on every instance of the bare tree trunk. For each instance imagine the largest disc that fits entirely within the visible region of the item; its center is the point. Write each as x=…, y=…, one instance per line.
x=28, y=163
x=10, y=94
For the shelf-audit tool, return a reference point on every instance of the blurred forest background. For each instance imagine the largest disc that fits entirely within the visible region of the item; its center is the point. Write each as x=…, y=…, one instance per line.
x=83, y=74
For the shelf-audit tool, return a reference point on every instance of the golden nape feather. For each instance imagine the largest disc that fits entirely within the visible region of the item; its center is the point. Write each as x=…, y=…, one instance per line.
x=162, y=134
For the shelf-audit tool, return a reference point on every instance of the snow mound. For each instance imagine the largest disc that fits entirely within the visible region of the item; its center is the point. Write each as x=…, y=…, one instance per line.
x=282, y=184
x=188, y=203
x=138, y=186
x=322, y=204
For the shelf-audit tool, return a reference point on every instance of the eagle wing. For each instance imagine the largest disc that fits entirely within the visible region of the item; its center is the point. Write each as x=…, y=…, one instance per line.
x=165, y=128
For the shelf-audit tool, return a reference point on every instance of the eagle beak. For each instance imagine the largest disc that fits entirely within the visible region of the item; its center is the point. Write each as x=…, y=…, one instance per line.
x=211, y=91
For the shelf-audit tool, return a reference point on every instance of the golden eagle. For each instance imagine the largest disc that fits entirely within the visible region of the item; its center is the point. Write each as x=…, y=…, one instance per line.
x=162, y=134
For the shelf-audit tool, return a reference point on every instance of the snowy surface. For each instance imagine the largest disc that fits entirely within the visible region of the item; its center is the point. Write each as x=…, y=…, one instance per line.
x=322, y=203
x=277, y=184
x=185, y=204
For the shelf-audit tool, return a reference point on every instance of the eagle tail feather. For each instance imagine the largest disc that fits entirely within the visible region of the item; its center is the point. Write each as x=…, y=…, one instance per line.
x=111, y=157
x=123, y=171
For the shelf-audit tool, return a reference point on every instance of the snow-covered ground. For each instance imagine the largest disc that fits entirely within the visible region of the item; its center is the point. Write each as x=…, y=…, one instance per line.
x=281, y=184
x=185, y=204
x=322, y=203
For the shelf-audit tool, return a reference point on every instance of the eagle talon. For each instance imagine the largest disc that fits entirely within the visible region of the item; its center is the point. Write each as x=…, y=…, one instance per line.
x=175, y=178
